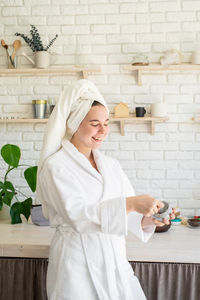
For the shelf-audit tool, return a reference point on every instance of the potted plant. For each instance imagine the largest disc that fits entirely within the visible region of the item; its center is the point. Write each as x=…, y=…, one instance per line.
x=8, y=193
x=42, y=58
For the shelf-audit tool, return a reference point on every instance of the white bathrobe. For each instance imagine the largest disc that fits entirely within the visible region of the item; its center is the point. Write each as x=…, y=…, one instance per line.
x=87, y=259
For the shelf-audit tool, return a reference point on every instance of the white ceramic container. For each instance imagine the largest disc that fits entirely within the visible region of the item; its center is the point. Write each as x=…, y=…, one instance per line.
x=158, y=110
x=196, y=57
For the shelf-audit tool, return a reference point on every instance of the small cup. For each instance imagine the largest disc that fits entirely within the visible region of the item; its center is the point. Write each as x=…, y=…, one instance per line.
x=140, y=111
x=39, y=108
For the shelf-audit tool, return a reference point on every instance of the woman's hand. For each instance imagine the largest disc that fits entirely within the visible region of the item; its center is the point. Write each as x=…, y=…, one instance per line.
x=149, y=221
x=143, y=204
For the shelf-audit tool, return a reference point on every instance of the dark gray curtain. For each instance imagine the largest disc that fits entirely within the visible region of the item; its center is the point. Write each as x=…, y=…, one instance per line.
x=169, y=281
x=25, y=279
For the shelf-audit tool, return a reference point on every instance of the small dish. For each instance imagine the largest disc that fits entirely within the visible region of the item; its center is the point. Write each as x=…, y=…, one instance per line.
x=193, y=222
x=176, y=221
x=140, y=59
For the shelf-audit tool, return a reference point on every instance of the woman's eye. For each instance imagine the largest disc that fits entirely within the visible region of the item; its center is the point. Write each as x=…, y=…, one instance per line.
x=95, y=125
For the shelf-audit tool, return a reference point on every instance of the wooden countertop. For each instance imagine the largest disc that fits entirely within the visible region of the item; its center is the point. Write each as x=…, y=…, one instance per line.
x=179, y=244
x=25, y=240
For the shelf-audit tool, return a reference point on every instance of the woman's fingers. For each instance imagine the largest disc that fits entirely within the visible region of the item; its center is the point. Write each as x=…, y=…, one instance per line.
x=144, y=204
x=154, y=207
x=165, y=221
x=172, y=216
x=159, y=204
x=157, y=223
x=161, y=223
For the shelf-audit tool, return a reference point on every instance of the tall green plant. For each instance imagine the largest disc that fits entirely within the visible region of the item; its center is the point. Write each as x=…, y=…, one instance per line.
x=8, y=193
x=34, y=41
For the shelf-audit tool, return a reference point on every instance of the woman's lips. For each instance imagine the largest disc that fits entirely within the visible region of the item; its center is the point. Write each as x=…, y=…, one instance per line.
x=97, y=140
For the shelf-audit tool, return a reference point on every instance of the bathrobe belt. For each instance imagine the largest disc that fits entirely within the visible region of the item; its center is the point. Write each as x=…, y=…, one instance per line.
x=114, y=270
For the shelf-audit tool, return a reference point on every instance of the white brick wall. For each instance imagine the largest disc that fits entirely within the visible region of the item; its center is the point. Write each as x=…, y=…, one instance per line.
x=108, y=33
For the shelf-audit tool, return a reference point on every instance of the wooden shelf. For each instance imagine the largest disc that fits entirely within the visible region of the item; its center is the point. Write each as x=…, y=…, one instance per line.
x=152, y=120
x=33, y=71
x=196, y=119
x=159, y=67
x=24, y=120
x=121, y=121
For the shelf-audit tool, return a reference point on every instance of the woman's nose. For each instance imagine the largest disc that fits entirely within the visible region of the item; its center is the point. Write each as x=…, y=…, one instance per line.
x=102, y=129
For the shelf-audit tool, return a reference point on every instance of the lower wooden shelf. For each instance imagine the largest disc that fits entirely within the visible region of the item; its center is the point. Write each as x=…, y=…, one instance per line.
x=23, y=120
x=121, y=121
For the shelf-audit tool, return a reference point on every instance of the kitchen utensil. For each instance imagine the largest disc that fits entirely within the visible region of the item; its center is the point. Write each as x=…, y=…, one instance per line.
x=10, y=61
x=16, y=46
x=5, y=47
x=163, y=212
x=4, y=44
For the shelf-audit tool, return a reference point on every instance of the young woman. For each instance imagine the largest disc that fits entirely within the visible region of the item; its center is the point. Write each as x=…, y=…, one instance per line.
x=89, y=199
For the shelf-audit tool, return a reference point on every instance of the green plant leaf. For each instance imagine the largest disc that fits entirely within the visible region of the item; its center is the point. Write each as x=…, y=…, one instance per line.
x=1, y=192
x=25, y=207
x=7, y=192
x=18, y=208
x=30, y=175
x=15, y=213
x=11, y=154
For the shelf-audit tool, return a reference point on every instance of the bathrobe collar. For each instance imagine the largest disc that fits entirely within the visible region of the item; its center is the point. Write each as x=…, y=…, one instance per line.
x=82, y=160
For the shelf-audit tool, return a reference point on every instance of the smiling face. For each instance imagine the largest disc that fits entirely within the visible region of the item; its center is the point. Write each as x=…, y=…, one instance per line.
x=93, y=129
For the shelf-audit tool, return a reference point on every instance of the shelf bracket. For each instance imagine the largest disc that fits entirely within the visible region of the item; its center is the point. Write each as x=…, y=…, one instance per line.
x=122, y=128
x=152, y=127
x=85, y=74
x=139, y=77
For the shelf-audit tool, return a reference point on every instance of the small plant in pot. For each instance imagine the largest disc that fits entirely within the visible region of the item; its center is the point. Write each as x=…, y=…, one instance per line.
x=42, y=57
x=8, y=193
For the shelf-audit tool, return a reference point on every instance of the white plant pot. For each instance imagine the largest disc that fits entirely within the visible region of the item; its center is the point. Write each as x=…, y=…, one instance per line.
x=5, y=212
x=42, y=59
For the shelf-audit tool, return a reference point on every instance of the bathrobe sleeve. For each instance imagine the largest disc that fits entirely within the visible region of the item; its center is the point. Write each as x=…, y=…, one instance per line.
x=135, y=218
x=65, y=195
